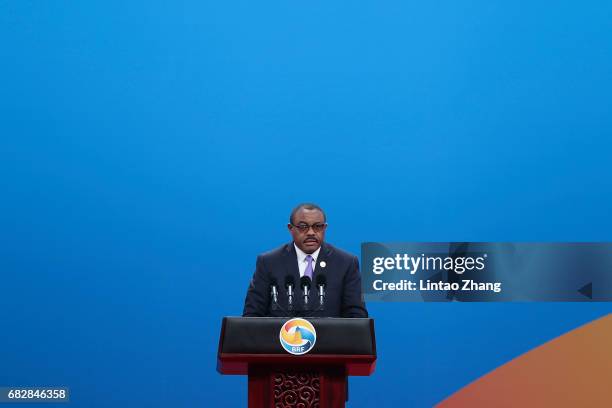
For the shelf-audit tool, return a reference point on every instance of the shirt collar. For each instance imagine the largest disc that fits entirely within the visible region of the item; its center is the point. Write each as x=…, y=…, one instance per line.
x=301, y=255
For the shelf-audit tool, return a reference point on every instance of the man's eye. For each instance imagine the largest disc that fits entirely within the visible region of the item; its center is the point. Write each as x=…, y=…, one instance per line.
x=303, y=227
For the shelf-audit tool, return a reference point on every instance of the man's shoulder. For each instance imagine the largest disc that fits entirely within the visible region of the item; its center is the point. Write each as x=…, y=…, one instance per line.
x=276, y=252
x=337, y=252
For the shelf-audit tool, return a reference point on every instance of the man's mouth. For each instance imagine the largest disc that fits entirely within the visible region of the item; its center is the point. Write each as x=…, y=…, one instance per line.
x=310, y=241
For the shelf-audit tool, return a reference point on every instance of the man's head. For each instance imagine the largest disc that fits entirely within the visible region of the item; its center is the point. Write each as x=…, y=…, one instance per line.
x=307, y=224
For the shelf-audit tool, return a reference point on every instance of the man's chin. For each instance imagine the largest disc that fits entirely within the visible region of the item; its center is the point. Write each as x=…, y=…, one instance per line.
x=310, y=247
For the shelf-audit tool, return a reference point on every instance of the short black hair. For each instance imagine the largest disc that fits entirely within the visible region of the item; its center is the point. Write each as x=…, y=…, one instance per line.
x=306, y=206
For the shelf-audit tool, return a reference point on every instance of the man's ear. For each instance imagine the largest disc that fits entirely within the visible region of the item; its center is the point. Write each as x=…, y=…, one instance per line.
x=289, y=227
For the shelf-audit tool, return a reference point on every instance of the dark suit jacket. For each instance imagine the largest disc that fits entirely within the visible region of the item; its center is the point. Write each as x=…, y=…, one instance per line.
x=343, y=290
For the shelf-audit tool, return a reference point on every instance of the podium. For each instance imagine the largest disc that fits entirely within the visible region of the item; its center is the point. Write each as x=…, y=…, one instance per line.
x=253, y=346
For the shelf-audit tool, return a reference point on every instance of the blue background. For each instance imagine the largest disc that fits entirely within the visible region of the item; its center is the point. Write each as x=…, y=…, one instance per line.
x=150, y=150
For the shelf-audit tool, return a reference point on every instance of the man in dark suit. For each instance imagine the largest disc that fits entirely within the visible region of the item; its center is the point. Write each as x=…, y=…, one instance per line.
x=307, y=255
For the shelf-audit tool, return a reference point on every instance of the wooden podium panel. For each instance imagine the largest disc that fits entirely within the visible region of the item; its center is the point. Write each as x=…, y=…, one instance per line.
x=288, y=387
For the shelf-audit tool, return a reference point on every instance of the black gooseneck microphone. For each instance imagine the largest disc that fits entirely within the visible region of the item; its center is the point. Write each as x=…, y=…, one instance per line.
x=289, y=285
x=274, y=294
x=321, y=282
x=305, y=283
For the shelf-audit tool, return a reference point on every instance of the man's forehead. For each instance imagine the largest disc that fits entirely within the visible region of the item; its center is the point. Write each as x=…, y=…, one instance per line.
x=307, y=215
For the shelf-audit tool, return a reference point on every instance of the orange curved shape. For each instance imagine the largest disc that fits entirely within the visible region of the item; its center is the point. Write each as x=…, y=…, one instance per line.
x=573, y=370
x=295, y=338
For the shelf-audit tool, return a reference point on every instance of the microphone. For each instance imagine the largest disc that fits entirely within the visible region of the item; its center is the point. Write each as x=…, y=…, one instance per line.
x=321, y=282
x=305, y=283
x=274, y=294
x=289, y=284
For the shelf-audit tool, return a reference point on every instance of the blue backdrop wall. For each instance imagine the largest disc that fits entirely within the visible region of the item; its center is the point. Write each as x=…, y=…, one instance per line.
x=150, y=150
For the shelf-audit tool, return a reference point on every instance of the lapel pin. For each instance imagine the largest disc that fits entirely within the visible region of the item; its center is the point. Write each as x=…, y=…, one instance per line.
x=323, y=264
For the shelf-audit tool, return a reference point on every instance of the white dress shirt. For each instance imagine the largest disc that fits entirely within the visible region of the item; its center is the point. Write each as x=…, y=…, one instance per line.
x=302, y=262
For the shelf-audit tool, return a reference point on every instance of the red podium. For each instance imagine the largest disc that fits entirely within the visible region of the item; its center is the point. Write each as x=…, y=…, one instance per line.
x=277, y=379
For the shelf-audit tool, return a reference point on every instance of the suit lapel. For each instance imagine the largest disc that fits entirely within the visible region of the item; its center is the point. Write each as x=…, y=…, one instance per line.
x=322, y=261
x=291, y=265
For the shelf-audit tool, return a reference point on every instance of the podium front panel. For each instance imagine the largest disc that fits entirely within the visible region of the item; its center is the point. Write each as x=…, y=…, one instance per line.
x=260, y=335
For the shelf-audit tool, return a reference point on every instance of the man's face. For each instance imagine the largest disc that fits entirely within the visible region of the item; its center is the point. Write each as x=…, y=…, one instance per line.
x=308, y=240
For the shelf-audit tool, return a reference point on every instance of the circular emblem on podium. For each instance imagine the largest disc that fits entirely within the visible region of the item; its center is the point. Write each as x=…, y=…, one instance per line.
x=297, y=336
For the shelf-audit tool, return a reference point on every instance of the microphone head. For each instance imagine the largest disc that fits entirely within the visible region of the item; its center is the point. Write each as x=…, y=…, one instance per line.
x=289, y=281
x=305, y=281
x=273, y=282
x=321, y=280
